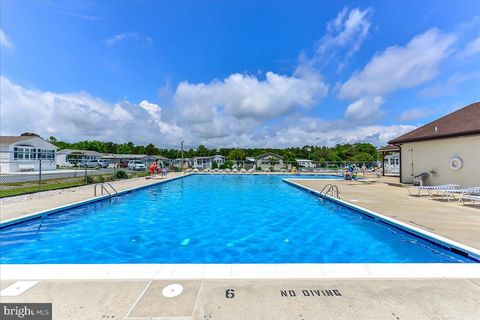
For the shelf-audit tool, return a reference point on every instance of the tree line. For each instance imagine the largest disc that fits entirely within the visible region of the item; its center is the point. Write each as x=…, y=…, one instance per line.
x=341, y=152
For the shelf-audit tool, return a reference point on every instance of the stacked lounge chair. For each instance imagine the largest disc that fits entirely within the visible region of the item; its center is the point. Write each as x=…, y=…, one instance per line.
x=471, y=197
x=430, y=189
x=450, y=193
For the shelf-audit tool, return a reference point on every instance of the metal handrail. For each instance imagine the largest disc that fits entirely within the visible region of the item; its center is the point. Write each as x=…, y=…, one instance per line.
x=114, y=190
x=332, y=188
x=103, y=188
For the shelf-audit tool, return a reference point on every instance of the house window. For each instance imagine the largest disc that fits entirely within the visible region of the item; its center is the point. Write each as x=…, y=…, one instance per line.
x=24, y=153
x=46, y=154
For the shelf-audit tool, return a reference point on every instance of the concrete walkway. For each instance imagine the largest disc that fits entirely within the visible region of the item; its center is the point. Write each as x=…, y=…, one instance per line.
x=460, y=223
x=260, y=299
x=20, y=206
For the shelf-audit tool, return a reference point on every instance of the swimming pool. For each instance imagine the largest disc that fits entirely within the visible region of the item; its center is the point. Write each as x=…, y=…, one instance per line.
x=215, y=219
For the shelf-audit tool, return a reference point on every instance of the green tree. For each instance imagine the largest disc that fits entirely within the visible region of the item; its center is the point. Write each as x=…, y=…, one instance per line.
x=29, y=134
x=150, y=149
x=202, y=151
x=237, y=155
x=363, y=157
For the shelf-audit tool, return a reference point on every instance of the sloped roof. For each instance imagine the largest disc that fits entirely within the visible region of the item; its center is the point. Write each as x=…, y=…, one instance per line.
x=14, y=139
x=82, y=152
x=389, y=148
x=465, y=121
x=269, y=154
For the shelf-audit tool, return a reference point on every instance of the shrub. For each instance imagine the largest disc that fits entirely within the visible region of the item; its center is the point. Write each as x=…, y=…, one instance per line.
x=120, y=174
x=100, y=179
x=89, y=179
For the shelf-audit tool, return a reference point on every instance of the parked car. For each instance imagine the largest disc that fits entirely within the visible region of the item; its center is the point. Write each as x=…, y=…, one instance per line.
x=94, y=164
x=104, y=163
x=136, y=165
x=122, y=164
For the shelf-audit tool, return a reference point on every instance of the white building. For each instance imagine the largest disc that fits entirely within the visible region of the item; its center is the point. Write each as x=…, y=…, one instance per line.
x=207, y=162
x=69, y=157
x=25, y=153
x=446, y=150
x=392, y=163
x=305, y=163
x=269, y=161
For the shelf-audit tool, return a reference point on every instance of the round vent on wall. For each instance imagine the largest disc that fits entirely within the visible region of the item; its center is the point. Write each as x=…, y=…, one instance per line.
x=456, y=163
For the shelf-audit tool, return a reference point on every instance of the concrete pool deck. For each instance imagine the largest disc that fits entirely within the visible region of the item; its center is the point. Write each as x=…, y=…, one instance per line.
x=258, y=299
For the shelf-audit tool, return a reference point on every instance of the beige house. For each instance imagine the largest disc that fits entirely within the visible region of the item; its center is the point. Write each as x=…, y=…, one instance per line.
x=269, y=161
x=446, y=150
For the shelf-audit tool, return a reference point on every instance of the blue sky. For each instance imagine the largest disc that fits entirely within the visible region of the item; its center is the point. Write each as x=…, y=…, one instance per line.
x=235, y=73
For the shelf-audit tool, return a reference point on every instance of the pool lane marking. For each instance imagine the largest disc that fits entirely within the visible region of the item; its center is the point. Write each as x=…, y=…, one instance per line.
x=138, y=299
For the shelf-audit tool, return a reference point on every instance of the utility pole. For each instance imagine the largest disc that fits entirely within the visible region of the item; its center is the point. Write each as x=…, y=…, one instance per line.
x=181, y=147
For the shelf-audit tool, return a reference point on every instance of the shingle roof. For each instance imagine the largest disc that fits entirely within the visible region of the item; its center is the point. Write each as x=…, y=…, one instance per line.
x=13, y=139
x=269, y=154
x=83, y=152
x=465, y=121
x=389, y=148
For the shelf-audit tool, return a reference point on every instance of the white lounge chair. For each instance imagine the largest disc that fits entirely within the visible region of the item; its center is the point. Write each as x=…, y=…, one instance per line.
x=429, y=189
x=471, y=197
x=450, y=193
x=243, y=170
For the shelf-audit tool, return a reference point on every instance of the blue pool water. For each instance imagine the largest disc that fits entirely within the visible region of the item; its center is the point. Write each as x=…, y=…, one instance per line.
x=214, y=219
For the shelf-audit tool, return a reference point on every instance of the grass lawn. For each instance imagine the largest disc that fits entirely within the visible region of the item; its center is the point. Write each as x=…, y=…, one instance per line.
x=17, y=188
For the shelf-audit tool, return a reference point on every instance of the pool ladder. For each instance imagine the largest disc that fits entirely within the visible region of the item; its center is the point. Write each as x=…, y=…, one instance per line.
x=112, y=193
x=330, y=188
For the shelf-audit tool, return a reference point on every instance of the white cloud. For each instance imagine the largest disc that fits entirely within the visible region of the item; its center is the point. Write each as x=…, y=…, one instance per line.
x=400, y=67
x=79, y=116
x=365, y=110
x=344, y=36
x=348, y=28
x=5, y=41
x=127, y=36
x=472, y=48
x=450, y=86
x=414, y=114
x=321, y=132
x=245, y=96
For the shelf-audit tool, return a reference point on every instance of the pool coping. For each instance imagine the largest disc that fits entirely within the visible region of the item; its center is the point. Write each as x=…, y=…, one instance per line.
x=239, y=271
x=242, y=271
x=443, y=242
